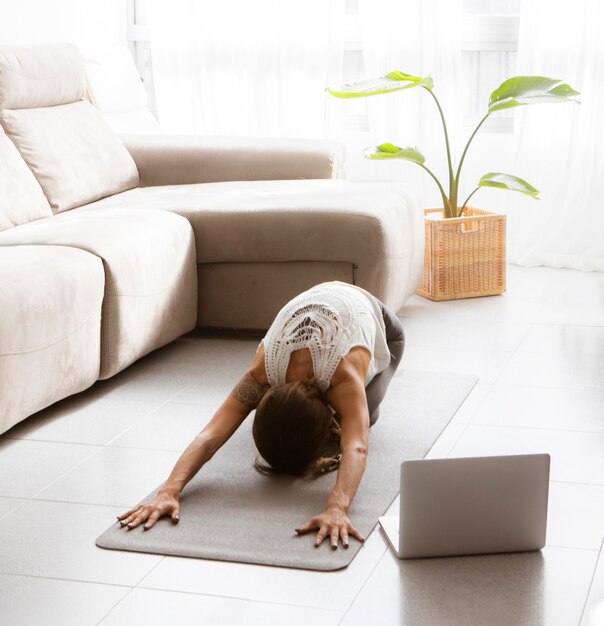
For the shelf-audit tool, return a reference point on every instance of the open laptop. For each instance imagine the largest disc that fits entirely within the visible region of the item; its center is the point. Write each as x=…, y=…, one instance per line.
x=477, y=505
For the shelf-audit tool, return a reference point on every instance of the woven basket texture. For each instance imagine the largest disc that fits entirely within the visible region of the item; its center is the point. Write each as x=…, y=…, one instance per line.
x=464, y=257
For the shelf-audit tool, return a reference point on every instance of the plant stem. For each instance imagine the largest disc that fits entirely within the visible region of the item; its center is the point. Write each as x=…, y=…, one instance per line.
x=466, y=202
x=442, y=118
x=463, y=156
x=446, y=204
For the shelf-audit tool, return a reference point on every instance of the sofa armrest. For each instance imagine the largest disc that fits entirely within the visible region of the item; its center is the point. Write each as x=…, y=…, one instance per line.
x=164, y=159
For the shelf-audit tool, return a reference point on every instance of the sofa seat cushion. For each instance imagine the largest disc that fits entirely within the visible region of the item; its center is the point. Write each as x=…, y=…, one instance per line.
x=150, y=274
x=72, y=152
x=21, y=198
x=50, y=326
x=375, y=226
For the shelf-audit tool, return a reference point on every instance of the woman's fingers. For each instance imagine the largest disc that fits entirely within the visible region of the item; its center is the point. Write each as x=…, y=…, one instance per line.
x=128, y=513
x=152, y=519
x=150, y=513
x=307, y=527
x=128, y=519
x=321, y=535
x=355, y=533
x=138, y=520
x=335, y=532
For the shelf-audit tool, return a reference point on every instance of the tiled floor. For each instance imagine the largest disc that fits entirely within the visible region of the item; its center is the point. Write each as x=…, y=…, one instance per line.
x=539, y=353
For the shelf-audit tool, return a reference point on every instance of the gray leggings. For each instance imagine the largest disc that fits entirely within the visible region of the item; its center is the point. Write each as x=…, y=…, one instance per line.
x=395, y=337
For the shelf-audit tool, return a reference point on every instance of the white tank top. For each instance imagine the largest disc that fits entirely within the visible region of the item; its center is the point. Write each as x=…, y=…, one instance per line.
x=329, y=319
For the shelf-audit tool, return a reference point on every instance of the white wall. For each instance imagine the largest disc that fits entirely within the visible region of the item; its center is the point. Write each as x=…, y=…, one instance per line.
x=87, y=23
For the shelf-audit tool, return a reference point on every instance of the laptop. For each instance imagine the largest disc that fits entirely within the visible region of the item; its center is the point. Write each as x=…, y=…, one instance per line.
x=476, y=505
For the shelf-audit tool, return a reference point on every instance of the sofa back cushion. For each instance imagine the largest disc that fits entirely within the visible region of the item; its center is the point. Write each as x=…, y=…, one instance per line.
x=71, y=150
x=40, y=76
x=21, y=198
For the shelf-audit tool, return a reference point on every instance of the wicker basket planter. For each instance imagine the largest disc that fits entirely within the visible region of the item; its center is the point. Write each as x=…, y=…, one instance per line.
x=464, y=256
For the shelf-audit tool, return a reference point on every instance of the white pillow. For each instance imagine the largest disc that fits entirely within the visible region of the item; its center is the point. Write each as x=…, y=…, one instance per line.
x=116, y=89
x=113, y=81
x=72, y=152
x=21, y=198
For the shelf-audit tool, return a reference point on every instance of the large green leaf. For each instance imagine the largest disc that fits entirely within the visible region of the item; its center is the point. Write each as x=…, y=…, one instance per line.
x=508, y=181
x=394, y=81
x=522, y=90
x=390, y=151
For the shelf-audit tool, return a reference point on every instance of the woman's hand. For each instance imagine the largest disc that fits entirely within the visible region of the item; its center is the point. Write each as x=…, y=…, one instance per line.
x=150, y=512
x=333, y=522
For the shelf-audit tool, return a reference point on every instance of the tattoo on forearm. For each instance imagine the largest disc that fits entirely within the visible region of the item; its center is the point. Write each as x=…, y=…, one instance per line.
x=249, y=392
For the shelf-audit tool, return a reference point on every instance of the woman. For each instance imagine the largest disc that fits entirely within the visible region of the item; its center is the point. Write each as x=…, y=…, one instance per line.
x=321, y=370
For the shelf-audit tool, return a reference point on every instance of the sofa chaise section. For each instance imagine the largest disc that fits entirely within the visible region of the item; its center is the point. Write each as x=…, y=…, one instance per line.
x=50, y=326
x=259, y=243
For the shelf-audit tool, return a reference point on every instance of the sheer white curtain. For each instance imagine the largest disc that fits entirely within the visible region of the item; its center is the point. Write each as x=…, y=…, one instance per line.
x=235, y=67
x=86, y=23
x=560, y=147
x=418, y=37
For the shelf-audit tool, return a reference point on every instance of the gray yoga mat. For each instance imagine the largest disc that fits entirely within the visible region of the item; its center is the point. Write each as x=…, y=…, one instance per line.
x=230, y=512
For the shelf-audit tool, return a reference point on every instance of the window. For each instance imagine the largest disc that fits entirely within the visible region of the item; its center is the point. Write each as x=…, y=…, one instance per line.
x=353, y=69
x=138, y=41
x=489, y=47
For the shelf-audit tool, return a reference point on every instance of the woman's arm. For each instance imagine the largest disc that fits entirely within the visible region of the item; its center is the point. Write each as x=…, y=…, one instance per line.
x=350, y=402
x=245, y=397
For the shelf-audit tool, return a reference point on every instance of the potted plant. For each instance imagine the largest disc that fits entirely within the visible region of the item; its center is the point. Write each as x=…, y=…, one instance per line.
x=465, y=247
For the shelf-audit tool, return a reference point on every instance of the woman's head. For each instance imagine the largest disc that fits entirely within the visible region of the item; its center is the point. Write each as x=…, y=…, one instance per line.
x=292, y=425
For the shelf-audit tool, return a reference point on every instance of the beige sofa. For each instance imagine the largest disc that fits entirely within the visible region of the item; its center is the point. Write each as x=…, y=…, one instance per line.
x=112, y=247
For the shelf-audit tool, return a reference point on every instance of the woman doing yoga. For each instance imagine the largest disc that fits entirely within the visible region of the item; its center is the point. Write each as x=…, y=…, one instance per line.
x=318, y=376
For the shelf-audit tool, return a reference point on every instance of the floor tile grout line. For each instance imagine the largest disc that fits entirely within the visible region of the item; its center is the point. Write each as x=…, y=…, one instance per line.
x=562, y=430
x=463, y=316
x=101, y=446
x=241, y=598
x=548, y=388
x=25, y=501
x=515, y=351
x=516, y=322
x=493, y=384
x=73, y=468
x=489, y=390
x=114, y=447
x=593, y=578
x=577, y=482
x=467, y=423
x=114, y=606
x=386, y=548
x=163, y=558
x=68, y=580
x=582, y=549
x=204, y=404
x=146, y=416
x=102, y=504
x=64, y=443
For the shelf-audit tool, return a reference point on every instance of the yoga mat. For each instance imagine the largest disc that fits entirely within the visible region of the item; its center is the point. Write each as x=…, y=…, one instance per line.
x=230, y=512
